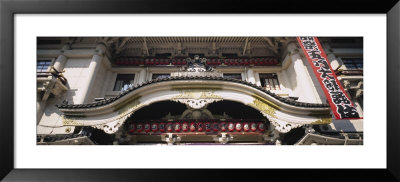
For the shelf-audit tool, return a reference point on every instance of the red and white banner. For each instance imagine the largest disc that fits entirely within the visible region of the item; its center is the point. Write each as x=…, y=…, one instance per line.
x=339, y=101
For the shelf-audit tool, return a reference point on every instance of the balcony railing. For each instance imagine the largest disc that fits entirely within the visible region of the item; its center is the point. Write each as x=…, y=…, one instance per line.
x=349, y=72
x=261, y=61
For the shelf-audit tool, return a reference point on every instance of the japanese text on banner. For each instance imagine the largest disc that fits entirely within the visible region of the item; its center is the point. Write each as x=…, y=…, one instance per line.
x=340, y=103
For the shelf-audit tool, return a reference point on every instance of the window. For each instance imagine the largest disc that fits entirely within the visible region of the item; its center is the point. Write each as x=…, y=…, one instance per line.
x=233, y=75
x=269, y=81
x=124, y=81
x=353, y=63
x=162, y=75
x=43, y=65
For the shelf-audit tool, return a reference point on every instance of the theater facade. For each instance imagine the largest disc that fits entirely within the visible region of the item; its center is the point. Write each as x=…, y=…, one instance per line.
x=193, y=91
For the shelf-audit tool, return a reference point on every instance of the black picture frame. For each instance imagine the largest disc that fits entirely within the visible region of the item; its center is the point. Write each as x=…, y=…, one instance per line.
x=9, y=8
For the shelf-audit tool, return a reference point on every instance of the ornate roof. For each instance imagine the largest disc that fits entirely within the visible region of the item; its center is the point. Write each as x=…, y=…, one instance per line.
x=110, y=100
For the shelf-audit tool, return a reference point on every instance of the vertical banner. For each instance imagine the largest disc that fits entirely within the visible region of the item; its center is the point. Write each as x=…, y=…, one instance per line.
x=339, y=101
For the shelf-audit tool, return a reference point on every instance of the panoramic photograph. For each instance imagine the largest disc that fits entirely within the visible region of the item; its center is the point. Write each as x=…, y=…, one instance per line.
x=202, y=90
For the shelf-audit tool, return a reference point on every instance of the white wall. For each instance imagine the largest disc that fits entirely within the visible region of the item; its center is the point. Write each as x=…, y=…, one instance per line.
x=76, y=73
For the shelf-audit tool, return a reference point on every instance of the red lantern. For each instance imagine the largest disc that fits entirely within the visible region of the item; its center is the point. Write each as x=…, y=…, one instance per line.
x=246, y=127
x=147, y=127
x=253, y=126
x=185, y=127
x=177, y=127
x=154, y=127
x=223, y=126
x=207, y=126
x=261, y=126
x=238, y=126
x=192, y=127
x=139, y=127
x=131, y=128
x=215, y=126
x=200, y=126
x=161, y=126
x=169, y=127
x=231, y=126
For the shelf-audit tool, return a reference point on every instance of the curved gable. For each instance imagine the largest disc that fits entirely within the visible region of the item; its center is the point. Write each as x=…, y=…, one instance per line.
x=196, y=92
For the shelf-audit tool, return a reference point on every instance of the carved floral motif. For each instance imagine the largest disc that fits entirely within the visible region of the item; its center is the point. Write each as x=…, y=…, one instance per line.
x=196, y=98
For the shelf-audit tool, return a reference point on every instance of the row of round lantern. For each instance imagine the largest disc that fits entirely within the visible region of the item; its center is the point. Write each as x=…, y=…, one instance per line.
x=196, y=127
x=255, y=61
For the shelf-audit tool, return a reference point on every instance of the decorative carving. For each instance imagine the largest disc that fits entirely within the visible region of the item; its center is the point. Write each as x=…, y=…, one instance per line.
x=282, y=126
x=196, y=98
x=130, y=107
x=70, y=121
x=322, y=121
x=197, y=67
x=111, y=127
x=263, y=107
x=270, y=112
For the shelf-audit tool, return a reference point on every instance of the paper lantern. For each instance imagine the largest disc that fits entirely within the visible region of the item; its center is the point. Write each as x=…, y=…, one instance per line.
x=223, y=126
x=261, y=126
x=139, y=127
x=192, y=127
x=200, y=126
x=207, y=126
x=246, y=127
x=161, y=127
x=169, y=127
x=177, y=127
x=154, y=127
x=253, y=126
x=147, y=127
x=215, y=126
x=238, y=126
x=185, y=127
x=131, y=128
x=231, y=126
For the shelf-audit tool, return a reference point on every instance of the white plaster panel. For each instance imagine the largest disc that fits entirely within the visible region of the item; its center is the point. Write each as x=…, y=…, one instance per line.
x=61, y=130
x=318, y=93
x=75, y=73
x=50, y=115
x=40, y=130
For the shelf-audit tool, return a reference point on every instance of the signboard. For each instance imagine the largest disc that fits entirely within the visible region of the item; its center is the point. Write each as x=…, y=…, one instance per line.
x=339, y=101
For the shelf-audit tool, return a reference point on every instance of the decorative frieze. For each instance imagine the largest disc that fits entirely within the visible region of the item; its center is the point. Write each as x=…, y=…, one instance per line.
x=196, y=98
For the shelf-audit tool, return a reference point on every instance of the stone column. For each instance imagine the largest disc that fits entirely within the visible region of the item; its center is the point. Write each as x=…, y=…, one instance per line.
x=61, y=60
x=250, y=76
x=92, y=70
x=60, y=63
x=40, y=105
x=304, y=86
x=142, y=76
x=335, y=64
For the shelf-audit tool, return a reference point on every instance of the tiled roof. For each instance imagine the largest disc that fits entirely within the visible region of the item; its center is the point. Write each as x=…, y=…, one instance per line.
x=62, y=137
x=110, y=100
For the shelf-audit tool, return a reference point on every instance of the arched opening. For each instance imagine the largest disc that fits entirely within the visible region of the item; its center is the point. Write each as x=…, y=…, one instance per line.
x=235, y=110
x=162, y=122
x=158, y=110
